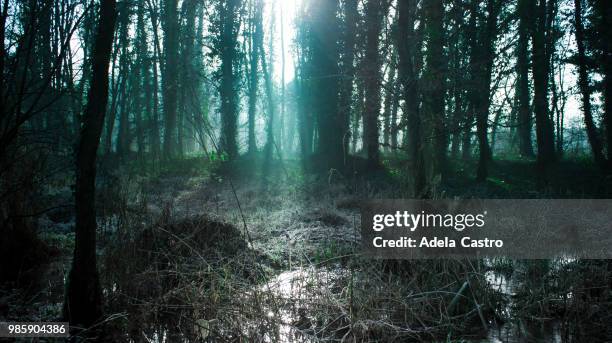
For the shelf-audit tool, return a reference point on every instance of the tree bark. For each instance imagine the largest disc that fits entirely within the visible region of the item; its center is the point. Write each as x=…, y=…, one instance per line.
x=605, y=12
x=325, y=82
x=407, y=73
x=485, y=71
x=541, y=70
x=585, y=90
x=123, y=140
x=351, y=17
x=524, y=124
x=170, y=78
x=434, y=86
x=374, y=13
x=229, y=101
x=256, y=34
x=83, y=303
x=389, y=99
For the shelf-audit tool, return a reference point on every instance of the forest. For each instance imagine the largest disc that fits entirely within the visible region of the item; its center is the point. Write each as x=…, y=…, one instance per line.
x=193, y=170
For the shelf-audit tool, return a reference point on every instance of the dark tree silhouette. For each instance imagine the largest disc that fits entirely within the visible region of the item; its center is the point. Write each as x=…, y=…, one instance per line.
x=375, y=11
x=524, y=118
x=407, y=73
x=227, y=90
x=83, y=303
x=541, y=69
x=170, y=79
x=585, y=90
x=324, y=83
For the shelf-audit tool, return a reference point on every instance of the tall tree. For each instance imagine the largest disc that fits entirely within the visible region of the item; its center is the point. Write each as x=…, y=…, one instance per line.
x=407, y=74
x=256, y=39
x=434, y=85
x=188, y=98
x=303, y=86
x=170, y=77
x=541, y=71
x=374, y=14
x=485, y=56
x=524, y=117
x=141, y=78
x=585, y=89
x=271, y=109
x=349, y=33
x=125, y=67
x=604, y=31
x=388, y=107
x=227, y=42
x=324, y=55
x=83, y=303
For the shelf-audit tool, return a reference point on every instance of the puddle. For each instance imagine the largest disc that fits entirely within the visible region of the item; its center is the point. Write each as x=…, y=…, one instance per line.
x=300, y=293
x=523, y=332
x=297, y=297
x=516, y=330
x=309, y=305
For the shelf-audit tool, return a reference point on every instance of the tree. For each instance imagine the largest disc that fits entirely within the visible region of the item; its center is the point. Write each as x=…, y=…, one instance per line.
x=434, y=85
x=125, y=66
x=374, y=14
x=271, y=108
x=585, y=89
x=256, y=39
x=323, y=70
x=83, y=303
x=141, y=80
x=541, y=70
x=603, y=11
x=407, y=73
x=484, y=56
x=524, y=118
x=390, y=97
x=227, y=41
x=345, y=97
x=303, y=87
x=170, y=77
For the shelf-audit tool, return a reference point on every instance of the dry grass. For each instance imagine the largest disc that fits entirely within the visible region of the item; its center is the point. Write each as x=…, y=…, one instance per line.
x=196, y=276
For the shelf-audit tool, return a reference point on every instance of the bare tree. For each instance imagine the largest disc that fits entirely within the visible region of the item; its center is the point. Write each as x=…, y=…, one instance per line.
x=83, y=303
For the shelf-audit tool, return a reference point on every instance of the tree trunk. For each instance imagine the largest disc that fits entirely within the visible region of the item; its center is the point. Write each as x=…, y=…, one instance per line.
x=394, y=110
x=544, y=126
x=524, y=117
x=585, y=91
x=256, y=34
x=374, y=14
x=324, y=81
x=434, y=85
x=486, y=56
x=407, y=73
x=170, y=78
x=155, y=127
x=83, y=303
x=351, y=16
x=123, y=140
x=605, y=12
x=269, y=147
x=141, y=78
x=281, y=134
x=189, y=78
x=228, y=94
x=389, y=99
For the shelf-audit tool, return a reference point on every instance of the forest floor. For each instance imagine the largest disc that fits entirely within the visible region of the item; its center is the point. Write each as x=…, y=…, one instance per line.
x=201, y=253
